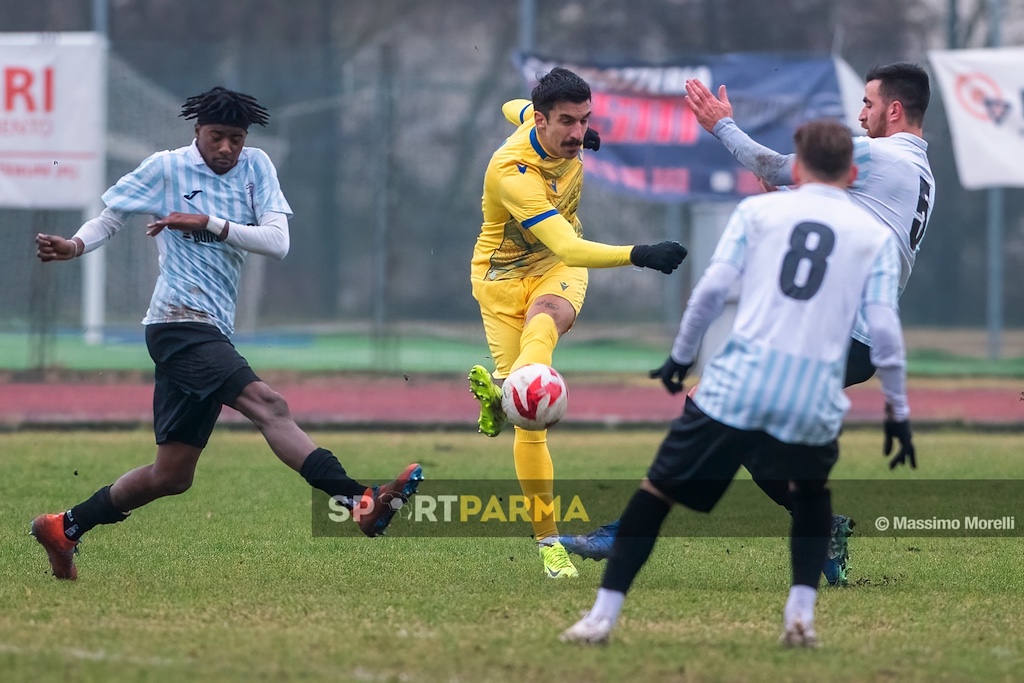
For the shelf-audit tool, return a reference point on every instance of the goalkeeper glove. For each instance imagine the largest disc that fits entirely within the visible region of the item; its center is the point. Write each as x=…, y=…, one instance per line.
x=900, y=431
x=672, y=374
x=664, y=256
x=591, y=140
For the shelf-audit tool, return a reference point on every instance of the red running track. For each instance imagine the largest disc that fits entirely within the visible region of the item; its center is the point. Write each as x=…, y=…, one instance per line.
x=415, y=402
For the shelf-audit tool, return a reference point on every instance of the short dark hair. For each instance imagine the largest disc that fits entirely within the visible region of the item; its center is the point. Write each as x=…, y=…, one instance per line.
x=559, y=85
x=904, y=82
x=825, y=148
x=226, y=107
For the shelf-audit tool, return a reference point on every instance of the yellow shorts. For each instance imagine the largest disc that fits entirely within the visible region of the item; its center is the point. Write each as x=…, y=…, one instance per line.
x=504, y=303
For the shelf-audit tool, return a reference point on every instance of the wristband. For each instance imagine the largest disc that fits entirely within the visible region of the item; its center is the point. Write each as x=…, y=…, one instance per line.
x=79, y=247
x=224, y=233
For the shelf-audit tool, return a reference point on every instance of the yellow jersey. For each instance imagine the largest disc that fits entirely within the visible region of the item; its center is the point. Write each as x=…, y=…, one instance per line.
x=529, y=206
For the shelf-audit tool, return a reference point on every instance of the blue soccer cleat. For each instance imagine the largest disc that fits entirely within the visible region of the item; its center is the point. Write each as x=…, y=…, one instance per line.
x=838, y=561
x=380, y=503
x=597, y=545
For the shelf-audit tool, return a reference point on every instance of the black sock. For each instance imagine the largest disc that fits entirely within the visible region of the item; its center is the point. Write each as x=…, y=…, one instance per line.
x=812, y=527
x=641, y=521
x=323, y=471
x=93, y=512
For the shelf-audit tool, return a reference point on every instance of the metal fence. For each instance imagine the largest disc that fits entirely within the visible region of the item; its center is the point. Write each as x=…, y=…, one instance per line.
x=381, y=150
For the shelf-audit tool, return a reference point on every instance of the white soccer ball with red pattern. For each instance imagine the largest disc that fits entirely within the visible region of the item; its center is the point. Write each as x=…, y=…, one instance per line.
x=534, y=397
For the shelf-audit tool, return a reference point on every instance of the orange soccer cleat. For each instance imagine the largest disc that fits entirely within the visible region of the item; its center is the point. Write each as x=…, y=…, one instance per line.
x=380, y=503
x=49, y=531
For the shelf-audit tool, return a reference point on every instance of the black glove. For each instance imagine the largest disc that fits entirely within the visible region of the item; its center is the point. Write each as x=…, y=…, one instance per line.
x=591, y=140
x=671, y=374
x=901, y=432
x=663, y=256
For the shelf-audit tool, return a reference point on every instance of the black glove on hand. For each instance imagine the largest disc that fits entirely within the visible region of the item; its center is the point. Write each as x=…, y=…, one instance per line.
x=591, y=140
x=671, y=374
x=663, y=256
x=901, y=432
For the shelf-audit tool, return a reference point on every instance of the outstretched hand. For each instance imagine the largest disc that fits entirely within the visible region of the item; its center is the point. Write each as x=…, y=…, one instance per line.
x=663, y=256
x=708, y=109
x=55, y=248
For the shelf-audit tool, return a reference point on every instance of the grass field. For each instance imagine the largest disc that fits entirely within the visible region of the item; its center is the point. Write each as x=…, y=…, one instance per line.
x=226, y=583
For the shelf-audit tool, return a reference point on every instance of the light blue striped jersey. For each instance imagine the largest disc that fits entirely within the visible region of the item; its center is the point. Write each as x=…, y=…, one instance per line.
x=807, y=261
x=895, y=184
x=199, y=276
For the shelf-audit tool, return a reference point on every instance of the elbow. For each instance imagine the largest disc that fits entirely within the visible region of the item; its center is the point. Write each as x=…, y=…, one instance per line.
x=280, y=250
x=279, y=245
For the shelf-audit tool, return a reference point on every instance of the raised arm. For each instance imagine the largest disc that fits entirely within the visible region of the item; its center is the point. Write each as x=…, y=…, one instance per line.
x=715, y=115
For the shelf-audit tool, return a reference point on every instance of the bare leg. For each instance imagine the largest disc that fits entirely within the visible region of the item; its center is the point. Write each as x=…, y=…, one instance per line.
x=269, y=412
x=169, y=475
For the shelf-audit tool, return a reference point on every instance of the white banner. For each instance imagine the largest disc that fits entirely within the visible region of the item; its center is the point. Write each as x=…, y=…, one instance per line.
x=52, y=119
x=983, y=91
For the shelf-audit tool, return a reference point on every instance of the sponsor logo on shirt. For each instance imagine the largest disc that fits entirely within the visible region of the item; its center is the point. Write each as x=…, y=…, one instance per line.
x=188, y=197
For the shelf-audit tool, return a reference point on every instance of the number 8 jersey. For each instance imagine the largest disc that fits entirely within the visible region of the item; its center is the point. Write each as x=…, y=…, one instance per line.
x=806, y=262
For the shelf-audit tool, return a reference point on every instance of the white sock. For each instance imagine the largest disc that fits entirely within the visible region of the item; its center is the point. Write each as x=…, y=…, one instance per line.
x=608, y=605
x=800, y=605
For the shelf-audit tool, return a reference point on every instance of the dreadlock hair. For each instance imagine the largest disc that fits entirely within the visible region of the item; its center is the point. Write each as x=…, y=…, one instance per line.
x=225, y=107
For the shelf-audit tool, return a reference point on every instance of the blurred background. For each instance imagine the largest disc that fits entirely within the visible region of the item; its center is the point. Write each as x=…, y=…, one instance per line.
x=383, y=117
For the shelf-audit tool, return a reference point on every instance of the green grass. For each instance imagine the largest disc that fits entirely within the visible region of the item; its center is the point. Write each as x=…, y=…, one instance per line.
x=225, y=583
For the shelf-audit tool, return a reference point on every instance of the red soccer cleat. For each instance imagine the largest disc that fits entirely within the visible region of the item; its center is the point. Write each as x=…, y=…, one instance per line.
x=49, y=531
x=380, y=503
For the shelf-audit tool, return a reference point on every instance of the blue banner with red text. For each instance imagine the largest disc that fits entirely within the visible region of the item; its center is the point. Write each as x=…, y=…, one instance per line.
x=651, y=143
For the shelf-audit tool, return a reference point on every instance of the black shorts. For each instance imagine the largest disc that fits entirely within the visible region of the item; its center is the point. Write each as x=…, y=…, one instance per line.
x=198, y=370
x=700, y=456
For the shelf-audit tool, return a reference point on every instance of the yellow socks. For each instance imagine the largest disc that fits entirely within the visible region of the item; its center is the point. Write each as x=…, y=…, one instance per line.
x=536, y=477
x=533, y=460
x=537, y=342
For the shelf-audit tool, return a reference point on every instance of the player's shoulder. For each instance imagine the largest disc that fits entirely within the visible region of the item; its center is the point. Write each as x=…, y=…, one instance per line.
x=767, y=201
x=516, y=153
x=255, y=156
x=518, y=111
x=890, y=148
x=158, y=160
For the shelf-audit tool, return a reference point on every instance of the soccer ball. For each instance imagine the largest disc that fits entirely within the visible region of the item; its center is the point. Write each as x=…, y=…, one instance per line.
x=534, y=397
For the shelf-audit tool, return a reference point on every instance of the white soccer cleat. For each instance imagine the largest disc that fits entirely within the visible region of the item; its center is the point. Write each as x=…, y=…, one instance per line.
x=799, y=634
x=588, y=631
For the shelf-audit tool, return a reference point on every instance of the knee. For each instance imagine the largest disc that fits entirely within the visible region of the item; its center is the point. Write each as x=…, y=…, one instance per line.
x=263, y=405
